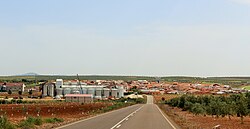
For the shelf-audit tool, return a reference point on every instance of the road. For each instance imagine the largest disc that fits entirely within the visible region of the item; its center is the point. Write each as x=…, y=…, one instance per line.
x=141, y=116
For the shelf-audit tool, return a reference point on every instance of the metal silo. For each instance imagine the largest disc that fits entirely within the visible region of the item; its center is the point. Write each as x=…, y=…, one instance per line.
x=51, y=90
x=66, y=91
x=106, y=92
x=59, y=83
x=114, y=93
x=75, y=91
x=83, y=91
x=91, y=91
x=45, y=90
x=59, y=91
x=98, y=92
x=120, y=92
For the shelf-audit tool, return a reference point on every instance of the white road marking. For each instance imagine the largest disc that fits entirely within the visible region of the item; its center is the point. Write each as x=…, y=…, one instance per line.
x=165, y=117
x=88, y=118
x=131, y=114
x=118, y=126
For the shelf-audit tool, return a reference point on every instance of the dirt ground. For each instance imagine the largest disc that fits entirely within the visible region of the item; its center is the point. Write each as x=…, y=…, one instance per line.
x=67, y=111
x=189, y=121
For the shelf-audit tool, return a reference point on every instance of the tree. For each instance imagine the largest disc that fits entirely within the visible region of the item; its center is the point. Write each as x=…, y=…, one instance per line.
x=248, y=99
x=20, y=92
x=30, y=92
x=242, y=109
x=231, y=109
x=9, y=92
x=198, y=109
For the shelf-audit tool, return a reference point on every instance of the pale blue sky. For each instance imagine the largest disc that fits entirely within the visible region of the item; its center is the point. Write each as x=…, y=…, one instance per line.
x=125, y=37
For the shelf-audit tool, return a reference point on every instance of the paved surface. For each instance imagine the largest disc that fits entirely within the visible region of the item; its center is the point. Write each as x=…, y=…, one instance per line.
x=144, y=116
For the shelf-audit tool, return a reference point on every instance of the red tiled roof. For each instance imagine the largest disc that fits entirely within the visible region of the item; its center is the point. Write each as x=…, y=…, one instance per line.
x=12, y=84
x=78, y=95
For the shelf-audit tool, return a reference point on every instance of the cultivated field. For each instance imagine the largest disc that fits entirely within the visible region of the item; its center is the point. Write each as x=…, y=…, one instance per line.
x=188, y=120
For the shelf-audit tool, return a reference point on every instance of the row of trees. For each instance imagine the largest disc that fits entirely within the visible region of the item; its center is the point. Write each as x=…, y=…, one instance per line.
x=236, y=104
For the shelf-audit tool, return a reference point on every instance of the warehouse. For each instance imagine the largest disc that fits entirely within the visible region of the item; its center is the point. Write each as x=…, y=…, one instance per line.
x=4, y=87
x=81, y=98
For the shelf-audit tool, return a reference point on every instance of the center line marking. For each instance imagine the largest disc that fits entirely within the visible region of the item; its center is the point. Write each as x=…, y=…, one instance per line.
x=118, y=126
x=131, y=114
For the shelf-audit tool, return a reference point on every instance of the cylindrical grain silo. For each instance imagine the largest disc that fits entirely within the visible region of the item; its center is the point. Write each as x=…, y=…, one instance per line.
x=91, y=91
x=66, y=91
x=106, y=92
x=114, y=93
x=45, y=90
x=51, y=90
x=75, y=91
x=83, y=91
x=59, y=91
x=120, y=92
x=98, y=92
x=59, y=83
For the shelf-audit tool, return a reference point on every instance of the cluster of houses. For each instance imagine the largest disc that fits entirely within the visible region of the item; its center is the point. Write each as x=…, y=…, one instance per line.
x=185, y=88
x=13, y=87
x=87, y=90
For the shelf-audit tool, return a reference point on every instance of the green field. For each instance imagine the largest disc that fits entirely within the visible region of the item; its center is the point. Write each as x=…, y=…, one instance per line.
x=247, y=87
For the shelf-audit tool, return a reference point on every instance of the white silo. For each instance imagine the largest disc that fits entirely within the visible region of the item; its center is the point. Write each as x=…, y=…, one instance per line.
x=91, y=91
x=120, y=92
x=114, y=93
x=51, y=90
x=83, y=91
x=45, y=90
x=66, y=91
x=59, y=91
x=75, y=91
x=59, y=83
x=98, y=92
x=106, y=92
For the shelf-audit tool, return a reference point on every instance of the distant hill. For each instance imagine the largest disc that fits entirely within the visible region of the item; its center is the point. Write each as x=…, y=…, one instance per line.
x=29, y=74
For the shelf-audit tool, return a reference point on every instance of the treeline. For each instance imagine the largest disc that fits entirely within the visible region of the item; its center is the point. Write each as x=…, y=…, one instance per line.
x=219, y=106
x=40, y=78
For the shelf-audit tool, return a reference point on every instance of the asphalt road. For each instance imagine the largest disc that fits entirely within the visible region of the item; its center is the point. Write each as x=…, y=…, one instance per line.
x=143, y=116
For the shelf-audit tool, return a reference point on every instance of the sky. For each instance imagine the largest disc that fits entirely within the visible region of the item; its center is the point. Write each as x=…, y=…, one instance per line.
x=125, y=37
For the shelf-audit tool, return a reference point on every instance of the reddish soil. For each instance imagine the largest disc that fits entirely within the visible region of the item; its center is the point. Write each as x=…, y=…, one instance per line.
x=17, y=112
x=189, y=121
x=158, y=98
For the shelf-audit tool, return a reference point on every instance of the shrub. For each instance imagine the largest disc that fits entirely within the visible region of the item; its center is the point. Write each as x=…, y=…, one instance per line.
x=53, y=120
x=19, y=101
x=26, y=125
x=38, y=121
x=30, y=122
x=5, y=124
x=13, y=101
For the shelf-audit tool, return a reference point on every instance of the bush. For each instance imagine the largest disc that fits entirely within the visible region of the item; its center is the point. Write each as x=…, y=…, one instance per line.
x=13, y=101
x=5, y=124
x=30, y=122
x=38, y=121
x=26, y=125
x=53, y=120
x=19, y=101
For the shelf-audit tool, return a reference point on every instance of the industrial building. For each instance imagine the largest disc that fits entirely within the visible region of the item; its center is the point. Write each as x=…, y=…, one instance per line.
x=59, y=89
x=81, y=98
x=4, y=87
